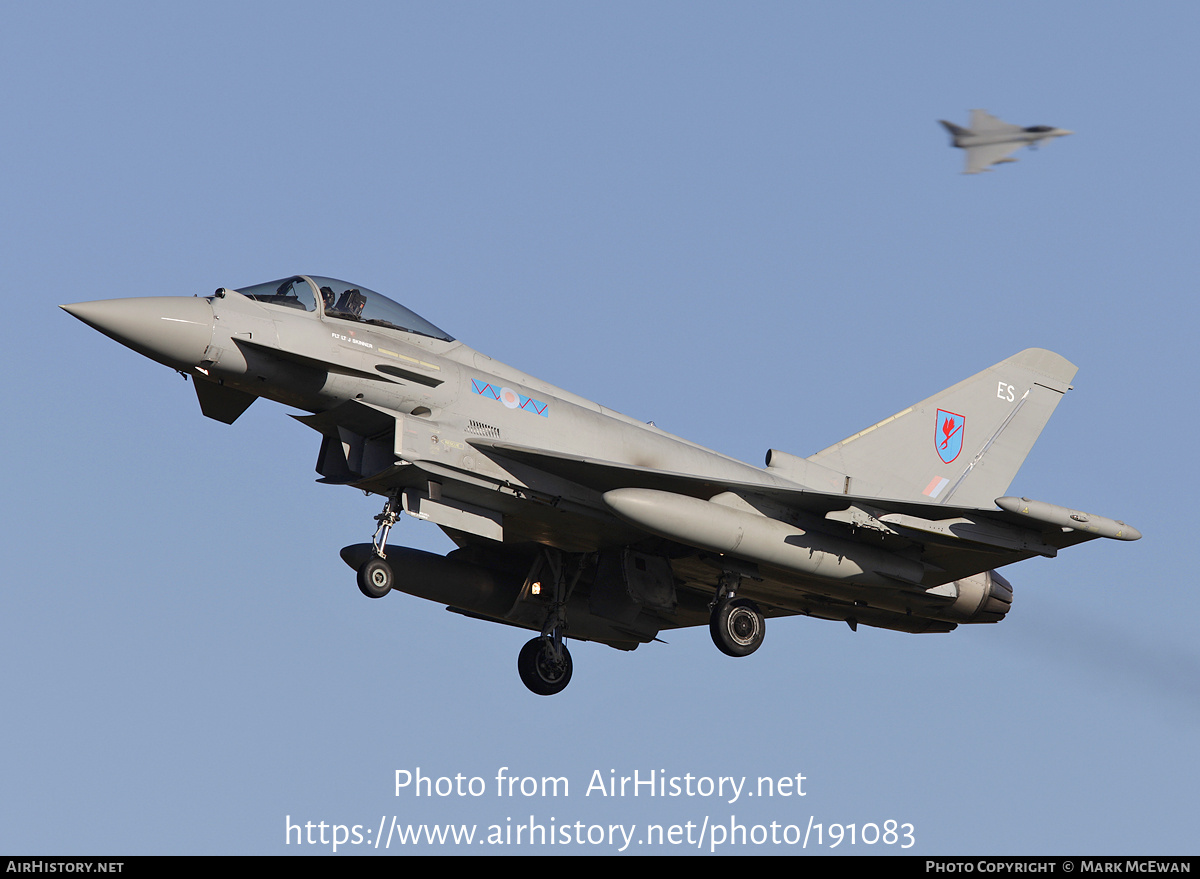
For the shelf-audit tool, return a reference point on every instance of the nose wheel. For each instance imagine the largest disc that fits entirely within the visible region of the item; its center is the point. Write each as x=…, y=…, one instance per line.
x=375, y=578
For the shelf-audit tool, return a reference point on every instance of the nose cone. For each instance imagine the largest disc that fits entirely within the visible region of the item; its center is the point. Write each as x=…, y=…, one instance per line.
x=173, y=330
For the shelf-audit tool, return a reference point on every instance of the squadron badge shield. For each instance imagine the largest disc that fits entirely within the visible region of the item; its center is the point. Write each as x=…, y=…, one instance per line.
x=949, y=435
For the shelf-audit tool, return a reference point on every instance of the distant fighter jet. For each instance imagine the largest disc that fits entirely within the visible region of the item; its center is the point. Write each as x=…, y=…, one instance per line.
x=575, y=521
x=989, y=140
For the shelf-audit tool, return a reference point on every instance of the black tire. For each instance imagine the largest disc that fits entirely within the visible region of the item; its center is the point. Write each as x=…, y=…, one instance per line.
x=375, y=578
x=737, y=626
x=539, y=672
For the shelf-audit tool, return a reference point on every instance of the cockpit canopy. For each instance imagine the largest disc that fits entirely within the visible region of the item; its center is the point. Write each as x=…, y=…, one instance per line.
x=338, y=299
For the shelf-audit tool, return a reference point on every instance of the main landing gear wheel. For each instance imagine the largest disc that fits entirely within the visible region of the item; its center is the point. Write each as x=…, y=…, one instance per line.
x=375, y=578
x=540, y=671
x=737, y=626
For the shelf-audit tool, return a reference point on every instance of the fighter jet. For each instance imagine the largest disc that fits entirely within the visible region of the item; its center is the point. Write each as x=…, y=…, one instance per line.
x=574, y=521
x=989, y=140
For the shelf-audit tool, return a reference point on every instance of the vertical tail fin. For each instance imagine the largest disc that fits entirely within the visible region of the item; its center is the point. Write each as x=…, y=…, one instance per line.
x=962, y=446
x=956, y=130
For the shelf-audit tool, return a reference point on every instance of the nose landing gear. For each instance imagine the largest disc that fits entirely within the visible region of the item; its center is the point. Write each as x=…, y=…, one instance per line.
x=375, y=577
x=386, y=519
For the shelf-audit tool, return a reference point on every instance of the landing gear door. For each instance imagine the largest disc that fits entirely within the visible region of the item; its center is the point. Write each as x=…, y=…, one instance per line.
x=628, y=581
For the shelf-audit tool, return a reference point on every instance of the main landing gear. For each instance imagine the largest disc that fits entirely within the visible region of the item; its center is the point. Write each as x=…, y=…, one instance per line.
x=544, y=663
x=545, y=666
x=736, y=624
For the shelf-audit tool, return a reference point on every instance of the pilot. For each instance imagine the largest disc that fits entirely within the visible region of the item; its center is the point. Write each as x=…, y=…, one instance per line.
x=327, y=297
x=352, y=302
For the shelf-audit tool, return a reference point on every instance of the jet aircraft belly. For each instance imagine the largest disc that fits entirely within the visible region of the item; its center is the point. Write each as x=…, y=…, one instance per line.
x=575, y=521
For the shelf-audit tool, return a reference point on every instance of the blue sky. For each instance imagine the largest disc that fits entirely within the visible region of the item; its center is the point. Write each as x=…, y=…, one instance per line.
x=739, y=220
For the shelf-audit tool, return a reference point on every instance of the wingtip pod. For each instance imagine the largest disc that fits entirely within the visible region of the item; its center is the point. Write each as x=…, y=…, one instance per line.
x=1052, y=514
